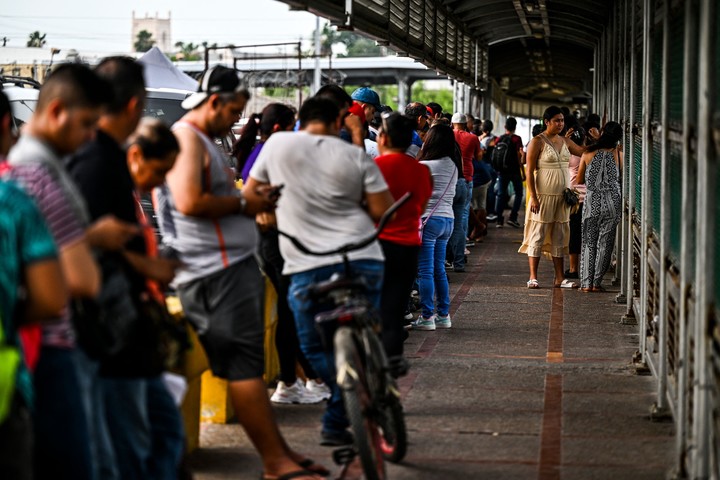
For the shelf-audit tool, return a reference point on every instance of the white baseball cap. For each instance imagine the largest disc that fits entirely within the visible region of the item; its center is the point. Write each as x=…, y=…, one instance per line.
x=217, y=79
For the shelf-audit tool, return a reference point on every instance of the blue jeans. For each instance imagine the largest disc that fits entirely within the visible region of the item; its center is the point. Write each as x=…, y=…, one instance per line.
x=335, y=419
x=62, y=444
x=459, y=231
x=101, y=448
x=466, y=212
x=145, y=426
x=431, y=266
x=503, y=197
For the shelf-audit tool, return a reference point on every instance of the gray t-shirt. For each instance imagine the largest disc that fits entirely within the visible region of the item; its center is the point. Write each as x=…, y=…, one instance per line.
x=444, y=176
x=325, y=181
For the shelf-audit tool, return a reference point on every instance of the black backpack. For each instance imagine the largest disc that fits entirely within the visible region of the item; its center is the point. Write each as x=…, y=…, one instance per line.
x=504, y=157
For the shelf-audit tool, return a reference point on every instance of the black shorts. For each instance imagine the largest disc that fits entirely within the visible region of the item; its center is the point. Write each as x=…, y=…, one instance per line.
x=576, y=231
x=226, y=308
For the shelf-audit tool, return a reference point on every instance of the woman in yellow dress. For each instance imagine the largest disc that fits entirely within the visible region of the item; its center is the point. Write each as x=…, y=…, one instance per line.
x=547, y=219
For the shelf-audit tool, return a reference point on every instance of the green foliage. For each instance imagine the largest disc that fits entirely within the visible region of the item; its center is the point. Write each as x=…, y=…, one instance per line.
x=355, y=45
x=144, y=41
x=188, y=51
x=35, y=39
x=425, y=96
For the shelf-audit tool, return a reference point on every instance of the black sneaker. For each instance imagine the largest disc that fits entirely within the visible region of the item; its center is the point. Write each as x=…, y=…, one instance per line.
x=514, y=223
x=398, y=365
x=336, y=439
x=569, y=274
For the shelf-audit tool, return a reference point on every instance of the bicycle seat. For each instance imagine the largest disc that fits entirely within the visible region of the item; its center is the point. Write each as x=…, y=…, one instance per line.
x=322, y=289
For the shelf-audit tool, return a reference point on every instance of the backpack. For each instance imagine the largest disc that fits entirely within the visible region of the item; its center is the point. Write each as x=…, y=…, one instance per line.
x=504, y=156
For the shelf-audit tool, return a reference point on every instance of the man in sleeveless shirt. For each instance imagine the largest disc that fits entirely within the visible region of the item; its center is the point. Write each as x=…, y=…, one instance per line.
x=211, y=226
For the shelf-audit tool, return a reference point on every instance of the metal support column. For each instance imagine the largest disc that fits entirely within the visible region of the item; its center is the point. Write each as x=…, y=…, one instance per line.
x=648, y=17
x=687, y=237
x=705, y=257
x=629, y=317
x=660, y=408
x=624, y=121
x=402, y=82
x=614, y=115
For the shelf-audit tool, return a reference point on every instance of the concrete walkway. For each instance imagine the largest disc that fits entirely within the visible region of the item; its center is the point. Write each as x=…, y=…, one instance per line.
x=528, y=384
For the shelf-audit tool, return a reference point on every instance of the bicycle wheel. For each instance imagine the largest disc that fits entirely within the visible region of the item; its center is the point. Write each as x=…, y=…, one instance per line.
x=388, y=409
x=358, y=404
x=394, y=434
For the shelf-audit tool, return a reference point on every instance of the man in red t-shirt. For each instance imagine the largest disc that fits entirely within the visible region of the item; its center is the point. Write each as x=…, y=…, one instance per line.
x=400, y=239
x=469, y=150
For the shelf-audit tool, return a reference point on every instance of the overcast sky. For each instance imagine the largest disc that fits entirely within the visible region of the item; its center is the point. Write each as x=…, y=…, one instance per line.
x=105, y=26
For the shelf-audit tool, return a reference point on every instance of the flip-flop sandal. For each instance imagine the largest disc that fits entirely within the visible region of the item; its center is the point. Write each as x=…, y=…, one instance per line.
x=308, y=463
x=533, y=284
x=290, y=475
x=566, y=284
x=599, y=289
x=586, y=290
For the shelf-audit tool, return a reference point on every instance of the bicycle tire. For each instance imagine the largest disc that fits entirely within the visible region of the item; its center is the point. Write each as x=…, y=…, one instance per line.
x=388, y=410
x=394, y=431
x=358, y=405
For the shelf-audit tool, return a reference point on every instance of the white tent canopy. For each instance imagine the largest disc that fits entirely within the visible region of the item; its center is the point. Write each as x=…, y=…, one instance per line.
x=159, y=72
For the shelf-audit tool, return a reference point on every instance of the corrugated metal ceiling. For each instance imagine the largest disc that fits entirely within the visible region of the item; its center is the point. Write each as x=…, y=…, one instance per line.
x=539, y=49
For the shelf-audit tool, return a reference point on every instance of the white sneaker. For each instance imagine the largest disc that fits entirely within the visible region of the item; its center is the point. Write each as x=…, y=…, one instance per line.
x=296, y=393
x=319, y=390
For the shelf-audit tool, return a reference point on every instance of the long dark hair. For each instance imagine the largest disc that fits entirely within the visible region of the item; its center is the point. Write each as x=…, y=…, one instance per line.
x=609, y=138
x=273, y=114
x=439, y=143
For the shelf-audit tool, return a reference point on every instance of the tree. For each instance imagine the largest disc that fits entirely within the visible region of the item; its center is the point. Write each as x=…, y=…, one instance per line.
x=355, y=45
x=36, y=40
x=187, y=51
x=144, y=41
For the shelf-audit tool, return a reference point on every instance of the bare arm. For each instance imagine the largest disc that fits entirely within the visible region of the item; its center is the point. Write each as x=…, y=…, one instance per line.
x=80, y=271
x=260, y=196
x=378, y=203
x=533, y=153
x=110, y=233
x=46, y=292
x=354, y=125
x=161, y=270
x=574, y=148
x=185, y=181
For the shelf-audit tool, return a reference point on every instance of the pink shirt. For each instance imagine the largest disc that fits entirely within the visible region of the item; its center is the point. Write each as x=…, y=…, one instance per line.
x=573, y=168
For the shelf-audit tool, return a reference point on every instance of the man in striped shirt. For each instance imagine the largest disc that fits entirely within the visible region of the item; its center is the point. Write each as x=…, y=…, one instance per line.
x=67, y=111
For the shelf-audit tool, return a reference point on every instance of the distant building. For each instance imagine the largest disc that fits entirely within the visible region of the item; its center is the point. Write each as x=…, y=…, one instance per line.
x=158, y=27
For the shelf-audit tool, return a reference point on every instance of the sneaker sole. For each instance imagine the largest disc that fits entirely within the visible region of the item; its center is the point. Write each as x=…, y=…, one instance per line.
x=443, y=325
x=424, y=327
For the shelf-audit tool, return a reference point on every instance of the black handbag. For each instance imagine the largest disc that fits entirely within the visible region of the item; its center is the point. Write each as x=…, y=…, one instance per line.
x=571, y=197
x=104, y=324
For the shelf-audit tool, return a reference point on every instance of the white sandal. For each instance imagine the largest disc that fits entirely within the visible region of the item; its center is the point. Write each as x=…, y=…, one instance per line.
x=533, y=283
x=566, y=284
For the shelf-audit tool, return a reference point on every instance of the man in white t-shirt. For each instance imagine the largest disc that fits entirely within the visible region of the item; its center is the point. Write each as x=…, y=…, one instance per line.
x=333, y=195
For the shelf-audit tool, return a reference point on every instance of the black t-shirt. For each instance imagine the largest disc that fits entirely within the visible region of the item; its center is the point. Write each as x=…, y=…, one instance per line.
x=101, y=173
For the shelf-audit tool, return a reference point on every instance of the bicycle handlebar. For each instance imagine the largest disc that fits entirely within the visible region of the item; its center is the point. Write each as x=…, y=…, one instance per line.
x=350, y=247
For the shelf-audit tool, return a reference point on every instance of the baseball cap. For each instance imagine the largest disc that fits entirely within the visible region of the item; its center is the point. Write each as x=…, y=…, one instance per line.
x=366, y=95
x=459, y=118
x=217, y=79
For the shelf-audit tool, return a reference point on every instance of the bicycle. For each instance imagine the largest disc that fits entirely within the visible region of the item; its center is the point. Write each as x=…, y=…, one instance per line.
x=351, y=325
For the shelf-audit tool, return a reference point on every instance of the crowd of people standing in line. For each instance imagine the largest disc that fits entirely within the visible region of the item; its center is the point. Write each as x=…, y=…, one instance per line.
x=83, y=263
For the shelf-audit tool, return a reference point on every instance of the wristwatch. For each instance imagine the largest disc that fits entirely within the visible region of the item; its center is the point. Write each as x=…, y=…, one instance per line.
x=242, y=200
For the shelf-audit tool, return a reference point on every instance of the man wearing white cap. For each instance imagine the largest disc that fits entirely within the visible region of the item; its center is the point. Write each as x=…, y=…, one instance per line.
x=469, y=150
x=211, y=226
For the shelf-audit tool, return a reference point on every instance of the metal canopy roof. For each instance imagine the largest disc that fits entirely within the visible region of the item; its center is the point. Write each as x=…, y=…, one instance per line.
x=538, y=50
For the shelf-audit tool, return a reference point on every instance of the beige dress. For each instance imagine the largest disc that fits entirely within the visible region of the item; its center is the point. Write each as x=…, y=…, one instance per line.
x=548, y=231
